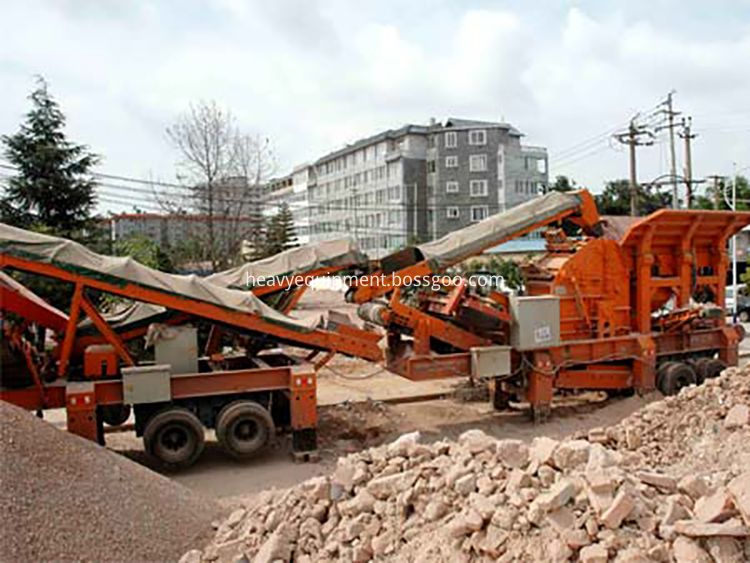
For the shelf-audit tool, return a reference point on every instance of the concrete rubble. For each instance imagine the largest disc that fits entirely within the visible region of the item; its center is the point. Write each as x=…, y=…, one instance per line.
x=669, y=483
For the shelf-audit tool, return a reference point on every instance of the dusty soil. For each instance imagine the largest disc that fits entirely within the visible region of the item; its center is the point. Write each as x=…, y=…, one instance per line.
x=64, y=498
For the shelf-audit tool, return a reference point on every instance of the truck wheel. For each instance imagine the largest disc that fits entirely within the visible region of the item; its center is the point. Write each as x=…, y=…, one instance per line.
x=115, y=415
x=714, y=367
x=674, y=376
x=707, y=368
x=175, y=437
x=744, y=316
x=243, y=428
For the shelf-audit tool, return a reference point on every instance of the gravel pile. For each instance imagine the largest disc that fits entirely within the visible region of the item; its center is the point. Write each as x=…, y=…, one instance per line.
x=618, y=494
x=686, y=429
x=65, y=498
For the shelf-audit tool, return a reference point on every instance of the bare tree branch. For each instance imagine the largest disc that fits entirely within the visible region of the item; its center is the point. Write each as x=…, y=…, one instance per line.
x=225, y=171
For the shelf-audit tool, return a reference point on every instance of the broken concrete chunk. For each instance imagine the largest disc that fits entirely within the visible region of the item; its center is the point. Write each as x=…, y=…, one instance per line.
x=621, y=507
x=658, y=480
x=737, y=417
x=696, y=529
x=559, y=495
x=476, y=441
x=562, y=519
x=674, y=511
x=542, y=449
x=435, y=510
x=572, y=454
x=686, y=550
x=716, y=507
x=466, y=484
x=466, y=523
x=693, y=486
x=235, y=517
x=276, y=547
x=739, y=489
x=596, y=553
x=512, y=453
x=385, y=487
x=725, y=550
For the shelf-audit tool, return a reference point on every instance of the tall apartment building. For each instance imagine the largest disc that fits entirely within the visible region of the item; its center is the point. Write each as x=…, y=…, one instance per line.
x=420, y=182
x=374, y=189
x=477, y=169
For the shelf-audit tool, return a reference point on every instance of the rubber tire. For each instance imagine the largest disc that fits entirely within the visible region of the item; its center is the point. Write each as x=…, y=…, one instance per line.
x=183, y=422
x=251, y=416
x=744, y=316
x=714, y=367
x=674, y=376
x=115, y=415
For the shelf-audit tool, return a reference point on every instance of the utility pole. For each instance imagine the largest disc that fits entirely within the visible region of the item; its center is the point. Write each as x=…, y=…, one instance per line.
x=688, y=136
x=633, y=138
x=717, y=194
x=670, y=113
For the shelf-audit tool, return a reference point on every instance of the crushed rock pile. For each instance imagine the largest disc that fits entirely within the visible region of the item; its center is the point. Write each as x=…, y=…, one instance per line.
x=63, y=498
x=620, y=494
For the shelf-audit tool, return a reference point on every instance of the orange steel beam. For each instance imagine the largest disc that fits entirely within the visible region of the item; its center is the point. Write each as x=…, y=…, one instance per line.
x=368, y=287
x=37, y=311
x=343, y=343
x=106, y=331
x=70, y=330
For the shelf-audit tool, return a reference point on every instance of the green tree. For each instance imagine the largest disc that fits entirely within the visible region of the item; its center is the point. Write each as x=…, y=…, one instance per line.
x=615, y=199
x=144, y=250
x=562, y=184
x=714, y=195
x=508, y=269
x=280, y=235
x=53, y=188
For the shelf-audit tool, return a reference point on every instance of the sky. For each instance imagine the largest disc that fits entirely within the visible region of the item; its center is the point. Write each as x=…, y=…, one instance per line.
x=312, y=75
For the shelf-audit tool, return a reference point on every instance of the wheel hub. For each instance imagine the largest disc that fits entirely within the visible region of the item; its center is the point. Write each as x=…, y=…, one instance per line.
x=246, y=430
x=174, y=439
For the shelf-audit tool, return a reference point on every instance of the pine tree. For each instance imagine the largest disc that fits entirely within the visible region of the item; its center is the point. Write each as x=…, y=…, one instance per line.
x=52, y=189
x=281, y=235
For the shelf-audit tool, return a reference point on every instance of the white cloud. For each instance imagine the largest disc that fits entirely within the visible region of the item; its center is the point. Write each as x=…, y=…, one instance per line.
x=313, y=75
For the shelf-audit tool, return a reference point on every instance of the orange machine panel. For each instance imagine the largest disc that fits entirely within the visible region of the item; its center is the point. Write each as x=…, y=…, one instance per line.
x=100, y=361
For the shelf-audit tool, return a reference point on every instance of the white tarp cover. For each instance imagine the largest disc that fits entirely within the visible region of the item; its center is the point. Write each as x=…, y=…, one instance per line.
x=75, y=257
x=128, y=314
x=327, y=254
x=472, y=240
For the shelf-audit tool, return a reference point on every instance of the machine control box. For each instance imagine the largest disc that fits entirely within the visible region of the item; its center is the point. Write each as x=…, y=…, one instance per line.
x=490, y=361
x=178, y=347
x=146, y=384
x=536, y=322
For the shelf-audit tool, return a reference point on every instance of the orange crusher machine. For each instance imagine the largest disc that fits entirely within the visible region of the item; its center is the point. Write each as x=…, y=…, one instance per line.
x=602, y=312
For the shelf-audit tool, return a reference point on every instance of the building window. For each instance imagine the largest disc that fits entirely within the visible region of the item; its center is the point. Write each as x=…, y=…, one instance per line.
x=478, y=137
x=451, y=162
x=451, y=187
x=479, y=212
x=477, y=163
x=452, y=212
x=394, y=193
x=431, y=166
x=478, y=188
x=451, y=140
